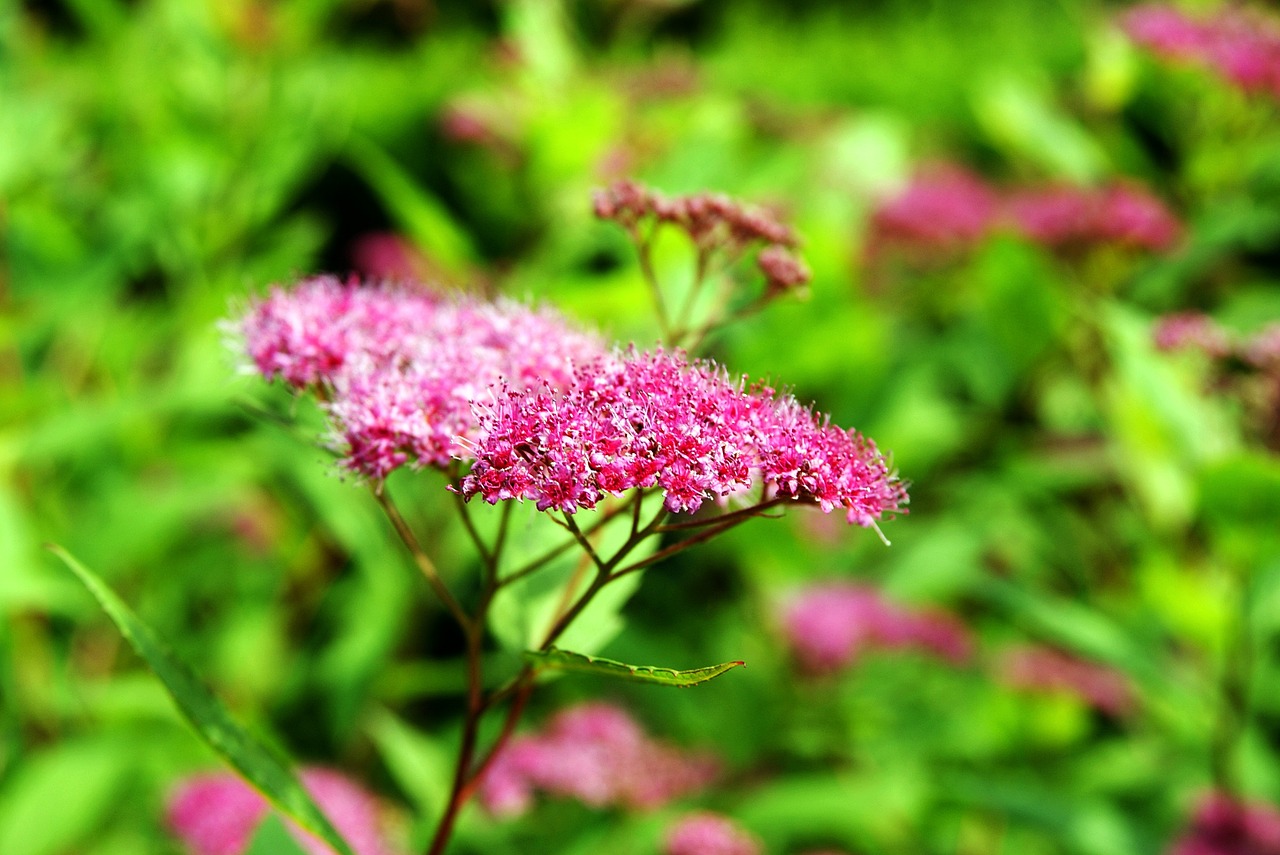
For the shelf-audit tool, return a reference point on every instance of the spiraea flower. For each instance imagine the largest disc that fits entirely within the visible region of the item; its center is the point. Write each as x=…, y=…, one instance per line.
x=398, y=368
x=1044, y=670
x=942, y=208
x=1225, y=825
x=1192, y=330
x=1074, y=217
x=597, y=754
x=656, y=420
x=1240, y=44
x=828, y=626
x=706, y=833
x=218, y=814
x=710, y=219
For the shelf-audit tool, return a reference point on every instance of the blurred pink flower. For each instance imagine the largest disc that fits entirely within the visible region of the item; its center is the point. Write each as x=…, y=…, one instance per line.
x=828, y=626
x=595, y=753
x=1042, y=669
x=217, y=814
x=943, y=207
x=1222, y=825
x=642, y=420
x=1067, y=216
x=1242, y=45
x=1192, y=330
x=388, y=256
x=1262, y=349
x=707, y=833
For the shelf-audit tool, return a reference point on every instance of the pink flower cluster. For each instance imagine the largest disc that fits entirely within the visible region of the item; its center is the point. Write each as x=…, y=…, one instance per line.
x=1041, y=669
x=595, y=753
x=643, y=420
x=399, y=367
x=948, y=209
x=1197, y=331
x=218, y=814
x=943, y=208
x=706, y=833
x=1241, y=45
x=713, y=222
x=828, y=626
x=1223, y=825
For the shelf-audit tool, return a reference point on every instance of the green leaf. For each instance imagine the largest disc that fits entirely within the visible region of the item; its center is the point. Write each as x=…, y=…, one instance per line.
x=273, y=838
x=260, y=764
x=555, y=659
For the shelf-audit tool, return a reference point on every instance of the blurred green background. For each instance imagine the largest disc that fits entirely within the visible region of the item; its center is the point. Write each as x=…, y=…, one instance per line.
x=162, y=160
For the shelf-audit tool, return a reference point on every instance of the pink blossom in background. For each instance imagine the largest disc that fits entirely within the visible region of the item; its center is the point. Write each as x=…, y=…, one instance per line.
x=707, y=833
x=1223, y=825
x=642, y=420
x=1067, y=216
x=595, y=753
x=829, y=625
x=400, y=367
x=943, y=207
x=1042, y=669
x=1262, y=349
x=1242, y=45
x=217, y=814
x=388, y=256
x=1192, y=330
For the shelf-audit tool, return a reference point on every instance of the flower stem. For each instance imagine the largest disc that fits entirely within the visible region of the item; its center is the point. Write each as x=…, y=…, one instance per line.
x=424, y=562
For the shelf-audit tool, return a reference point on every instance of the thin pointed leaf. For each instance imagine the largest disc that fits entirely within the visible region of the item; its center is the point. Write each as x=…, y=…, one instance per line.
x=260, y=764
x=555, y=659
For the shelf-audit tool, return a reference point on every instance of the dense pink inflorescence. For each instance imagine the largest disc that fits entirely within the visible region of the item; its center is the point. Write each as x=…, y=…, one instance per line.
x=400, y=367
x=1223, y=825
x=707, y=833
x=1067, y=216
x=595, y=753
x=644, y=420
x=943, y=207
x=829, y=625
x=1241, y=45
x=218, y=814
x=1041, y=669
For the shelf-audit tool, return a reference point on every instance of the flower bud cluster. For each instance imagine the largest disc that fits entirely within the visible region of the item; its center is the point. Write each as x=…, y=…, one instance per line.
x=829, y=626
x=948, y=209
x=399, y=367
x=641, y=420
x=1044, y=670
x=706, y=833
x=597, y=754
x=218, y=814
x=1241, y=45
x=1225, y=825
x=714, y=222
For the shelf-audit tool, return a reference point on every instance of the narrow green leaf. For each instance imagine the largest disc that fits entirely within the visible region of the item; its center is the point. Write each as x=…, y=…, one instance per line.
x=273, y=838
x=555, y=659
x=259, y=763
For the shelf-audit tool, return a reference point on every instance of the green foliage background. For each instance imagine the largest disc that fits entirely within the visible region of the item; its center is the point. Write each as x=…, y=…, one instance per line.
x=162, y=159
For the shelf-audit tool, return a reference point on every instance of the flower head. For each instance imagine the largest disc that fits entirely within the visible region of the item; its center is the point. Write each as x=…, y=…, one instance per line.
x=828, y=626
x=943, y=207
x=1241, y=45
x=218, y=814
x=400, y=367
x=1224, y=825
x=595, y=753
x=642, y=420
x=1066, y=216
x=708, y=833
x=1041, y=669
x=1192, y=330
